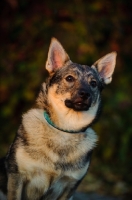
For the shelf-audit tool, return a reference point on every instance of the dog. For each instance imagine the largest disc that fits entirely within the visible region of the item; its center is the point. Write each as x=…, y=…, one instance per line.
x=51, y=152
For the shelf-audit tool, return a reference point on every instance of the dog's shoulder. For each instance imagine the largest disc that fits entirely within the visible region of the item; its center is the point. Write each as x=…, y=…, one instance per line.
x=33, y=121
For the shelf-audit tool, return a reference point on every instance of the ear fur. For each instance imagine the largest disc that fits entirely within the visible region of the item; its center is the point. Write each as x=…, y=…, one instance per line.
x=57, y=56
x=105, y=66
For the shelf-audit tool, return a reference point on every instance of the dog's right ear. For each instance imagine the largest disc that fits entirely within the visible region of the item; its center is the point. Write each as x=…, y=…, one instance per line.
x=57, y=57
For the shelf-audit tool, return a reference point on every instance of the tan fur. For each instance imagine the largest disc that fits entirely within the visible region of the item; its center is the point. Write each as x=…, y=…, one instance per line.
x=13, y=180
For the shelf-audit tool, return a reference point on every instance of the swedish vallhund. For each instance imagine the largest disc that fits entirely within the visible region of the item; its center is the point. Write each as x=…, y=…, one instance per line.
x=51, y=152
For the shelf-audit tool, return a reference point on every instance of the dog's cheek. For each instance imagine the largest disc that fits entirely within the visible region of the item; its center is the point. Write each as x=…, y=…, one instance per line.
x=57, y=97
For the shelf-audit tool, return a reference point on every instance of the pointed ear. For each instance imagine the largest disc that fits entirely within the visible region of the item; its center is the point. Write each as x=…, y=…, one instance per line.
x=57, y=56
x=105, y=66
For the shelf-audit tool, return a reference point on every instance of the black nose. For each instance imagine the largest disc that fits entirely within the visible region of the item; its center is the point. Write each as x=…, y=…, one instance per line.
x=84, y=94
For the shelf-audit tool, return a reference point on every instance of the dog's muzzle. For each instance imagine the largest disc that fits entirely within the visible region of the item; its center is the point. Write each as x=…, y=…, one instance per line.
x=81, y=102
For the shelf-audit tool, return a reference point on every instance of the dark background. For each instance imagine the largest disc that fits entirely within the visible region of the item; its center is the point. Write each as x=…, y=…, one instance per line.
x=87, y=30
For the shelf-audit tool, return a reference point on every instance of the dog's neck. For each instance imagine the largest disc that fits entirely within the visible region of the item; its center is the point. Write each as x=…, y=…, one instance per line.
x=71, y=121
x=47, y=117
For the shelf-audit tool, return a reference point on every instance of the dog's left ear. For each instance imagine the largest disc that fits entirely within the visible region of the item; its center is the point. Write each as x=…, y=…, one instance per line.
x=57, y=57
x=105, y=66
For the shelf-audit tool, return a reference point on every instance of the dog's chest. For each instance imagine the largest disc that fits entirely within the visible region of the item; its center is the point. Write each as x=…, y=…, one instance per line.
x=50, y=179
x=55, y=186
x=53, y=161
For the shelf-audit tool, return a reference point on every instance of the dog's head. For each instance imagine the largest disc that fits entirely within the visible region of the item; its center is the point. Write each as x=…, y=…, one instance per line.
x=73, y=90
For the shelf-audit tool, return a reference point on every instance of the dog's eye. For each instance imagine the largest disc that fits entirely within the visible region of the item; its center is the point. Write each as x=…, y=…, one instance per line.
x=70, y=78
x=93, y=84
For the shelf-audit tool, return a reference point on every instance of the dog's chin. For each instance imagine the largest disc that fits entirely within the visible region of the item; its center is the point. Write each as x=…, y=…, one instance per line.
x=78, y=106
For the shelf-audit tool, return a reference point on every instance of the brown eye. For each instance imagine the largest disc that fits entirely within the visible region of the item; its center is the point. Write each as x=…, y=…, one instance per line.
x=70, y=78
x=93, y=84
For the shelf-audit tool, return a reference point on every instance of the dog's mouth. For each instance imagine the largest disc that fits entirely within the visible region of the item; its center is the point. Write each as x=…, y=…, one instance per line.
x=78, y=104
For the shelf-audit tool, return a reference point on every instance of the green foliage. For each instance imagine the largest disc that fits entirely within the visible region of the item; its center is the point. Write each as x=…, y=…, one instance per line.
x=88, y=30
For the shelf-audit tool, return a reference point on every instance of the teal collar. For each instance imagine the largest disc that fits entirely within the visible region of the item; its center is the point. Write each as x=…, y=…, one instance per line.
x=47, y=117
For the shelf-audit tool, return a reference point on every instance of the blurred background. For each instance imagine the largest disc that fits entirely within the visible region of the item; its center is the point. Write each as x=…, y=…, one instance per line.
x=87, y=30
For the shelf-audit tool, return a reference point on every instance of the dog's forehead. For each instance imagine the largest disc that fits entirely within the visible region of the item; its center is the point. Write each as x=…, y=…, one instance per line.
x=81, y=72
x=79, y=69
